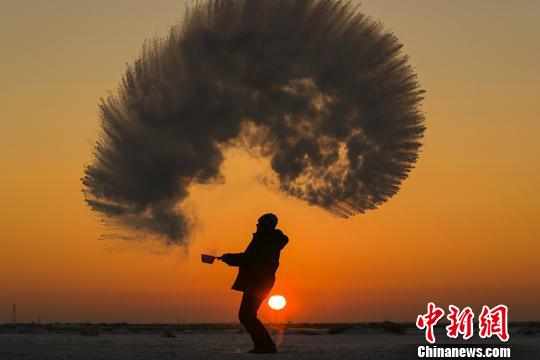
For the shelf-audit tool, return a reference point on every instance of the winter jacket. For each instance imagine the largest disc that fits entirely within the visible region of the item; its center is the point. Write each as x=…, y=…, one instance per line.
x=257, y=265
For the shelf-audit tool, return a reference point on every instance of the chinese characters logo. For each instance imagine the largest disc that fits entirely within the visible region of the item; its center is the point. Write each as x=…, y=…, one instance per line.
x=492, y=321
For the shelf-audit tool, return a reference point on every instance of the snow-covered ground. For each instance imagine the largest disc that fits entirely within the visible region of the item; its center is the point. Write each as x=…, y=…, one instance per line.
x=228, y=345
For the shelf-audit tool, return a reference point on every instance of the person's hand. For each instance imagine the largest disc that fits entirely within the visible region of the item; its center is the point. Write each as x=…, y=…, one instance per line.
x=226, y=258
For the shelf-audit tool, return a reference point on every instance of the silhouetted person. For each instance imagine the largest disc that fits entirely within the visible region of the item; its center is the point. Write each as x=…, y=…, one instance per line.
x=256, y=276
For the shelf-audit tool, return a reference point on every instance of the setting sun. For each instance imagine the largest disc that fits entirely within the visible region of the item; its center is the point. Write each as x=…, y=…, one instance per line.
x=277, y=302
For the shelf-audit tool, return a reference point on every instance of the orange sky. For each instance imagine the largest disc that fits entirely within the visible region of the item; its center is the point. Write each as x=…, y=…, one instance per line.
x=463, y=229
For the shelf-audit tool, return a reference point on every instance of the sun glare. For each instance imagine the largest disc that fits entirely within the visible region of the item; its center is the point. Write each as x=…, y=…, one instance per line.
x=277, y=302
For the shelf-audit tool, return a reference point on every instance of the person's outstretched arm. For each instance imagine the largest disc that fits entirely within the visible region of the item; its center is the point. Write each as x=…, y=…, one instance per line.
x=233, y=259
x=242, y=258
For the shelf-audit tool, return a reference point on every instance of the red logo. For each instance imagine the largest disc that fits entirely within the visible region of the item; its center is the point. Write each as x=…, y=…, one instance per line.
x=492, y=321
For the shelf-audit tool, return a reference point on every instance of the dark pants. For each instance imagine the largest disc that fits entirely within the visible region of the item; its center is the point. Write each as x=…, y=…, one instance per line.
x=248, y=317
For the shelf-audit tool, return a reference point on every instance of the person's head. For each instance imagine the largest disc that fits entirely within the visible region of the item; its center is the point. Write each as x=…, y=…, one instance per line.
x=267, y=222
